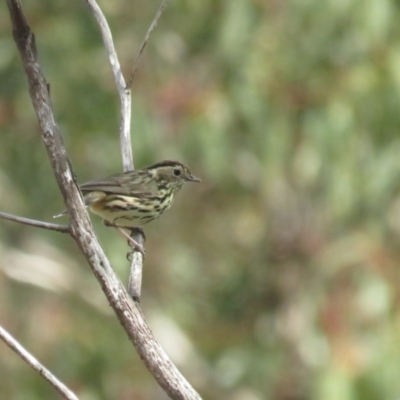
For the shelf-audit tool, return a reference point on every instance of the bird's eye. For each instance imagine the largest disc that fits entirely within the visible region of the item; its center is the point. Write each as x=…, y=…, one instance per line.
x=176, y=172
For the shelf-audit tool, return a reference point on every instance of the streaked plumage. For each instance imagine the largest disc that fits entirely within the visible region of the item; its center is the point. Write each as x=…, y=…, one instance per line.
x=135, y=198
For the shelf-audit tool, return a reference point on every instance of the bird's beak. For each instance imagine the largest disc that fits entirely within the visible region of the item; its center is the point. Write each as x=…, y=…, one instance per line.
x=192, y=178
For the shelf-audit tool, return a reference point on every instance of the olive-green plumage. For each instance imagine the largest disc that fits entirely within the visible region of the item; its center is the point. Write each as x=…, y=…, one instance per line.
x=135, y=198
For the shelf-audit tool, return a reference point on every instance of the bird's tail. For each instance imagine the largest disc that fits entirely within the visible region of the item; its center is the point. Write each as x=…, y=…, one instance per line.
x=61, y=214
x=89, y=199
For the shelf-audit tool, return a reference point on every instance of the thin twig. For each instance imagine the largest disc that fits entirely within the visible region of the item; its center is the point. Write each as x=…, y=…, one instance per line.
x=124, y=93
x=35, y=364
x=136, y=270
x=108, y=43
x=33, y=222
x=144, y=43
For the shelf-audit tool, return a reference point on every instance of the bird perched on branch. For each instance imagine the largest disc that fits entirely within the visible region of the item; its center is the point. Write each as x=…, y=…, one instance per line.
x=135, y=198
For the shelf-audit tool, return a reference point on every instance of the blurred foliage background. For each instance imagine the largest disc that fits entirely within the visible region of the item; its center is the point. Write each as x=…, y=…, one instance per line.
x=278, y=277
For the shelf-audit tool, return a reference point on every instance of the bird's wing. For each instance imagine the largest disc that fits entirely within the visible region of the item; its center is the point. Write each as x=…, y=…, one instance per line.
x=122, y=184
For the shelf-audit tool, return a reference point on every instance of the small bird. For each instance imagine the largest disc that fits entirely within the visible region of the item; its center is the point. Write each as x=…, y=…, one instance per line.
x=135, y=198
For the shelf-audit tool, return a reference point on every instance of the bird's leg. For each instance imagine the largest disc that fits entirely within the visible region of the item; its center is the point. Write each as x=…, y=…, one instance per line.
x=132, y=242
x=137, y=235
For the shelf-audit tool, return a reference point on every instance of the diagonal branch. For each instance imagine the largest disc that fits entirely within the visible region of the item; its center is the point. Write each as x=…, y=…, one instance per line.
x=33, y=222
x=35, y=364
x=144, y=43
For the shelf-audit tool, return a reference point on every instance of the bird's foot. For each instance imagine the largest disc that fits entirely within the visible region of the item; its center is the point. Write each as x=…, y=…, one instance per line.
x=133, y=243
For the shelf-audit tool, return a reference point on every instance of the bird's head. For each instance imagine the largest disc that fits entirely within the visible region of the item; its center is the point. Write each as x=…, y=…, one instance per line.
x=172, y=172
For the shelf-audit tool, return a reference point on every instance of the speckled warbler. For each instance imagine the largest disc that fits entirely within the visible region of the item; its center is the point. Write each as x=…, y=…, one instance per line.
x=135, y=198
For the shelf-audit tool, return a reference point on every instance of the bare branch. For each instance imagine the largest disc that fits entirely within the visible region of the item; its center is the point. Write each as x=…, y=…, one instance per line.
x=128, y=313
x=135, y=280
x=38, y=90
x=33, y=222
x=136, y=270
x=35, y=364
x=108, y=43
x=124, y=93
x=144, y=43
